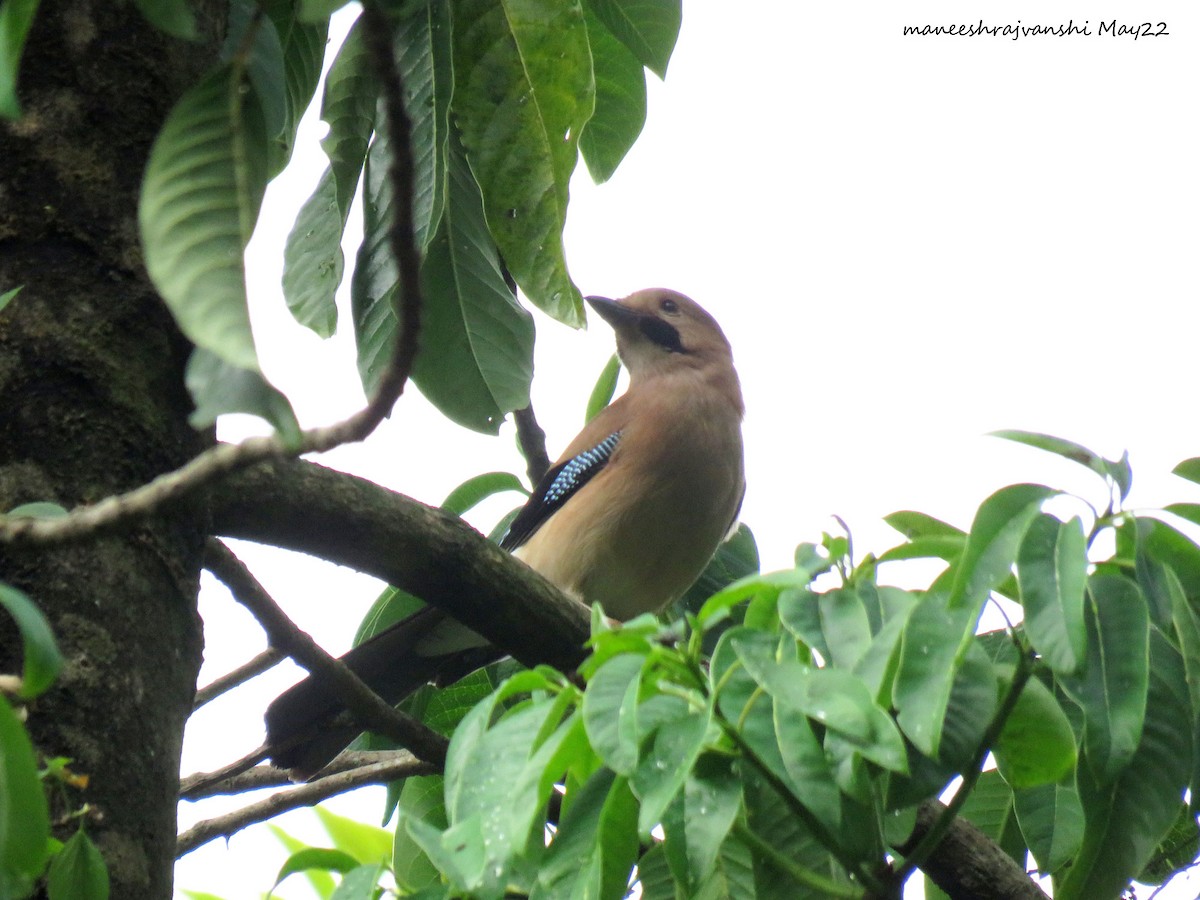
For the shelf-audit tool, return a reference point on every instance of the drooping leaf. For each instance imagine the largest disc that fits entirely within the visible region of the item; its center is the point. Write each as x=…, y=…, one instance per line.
x=610, y=711
x=16, y=18
x=1176, y=852
x=523, y=93
x=1052, y=573
x=420, y=798
x=42, y=659
x=200, y=199
x=477, y=361
x=219, y=387
x=365, y=843
x=1051, y=820
x=649, y=28
x=1189, y=469
x=620, y=102
x=1127, y=818
x=929, y=659
x=303, y=47
x=1111, y=687
x=253, y=44
x=313, y=261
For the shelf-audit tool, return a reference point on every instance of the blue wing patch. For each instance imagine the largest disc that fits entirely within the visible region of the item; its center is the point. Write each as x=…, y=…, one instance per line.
x=556, y=487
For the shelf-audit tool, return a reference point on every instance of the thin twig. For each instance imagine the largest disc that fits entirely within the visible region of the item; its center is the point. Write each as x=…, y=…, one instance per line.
x=532, y=441
x=147, y=499
x=304, y=795
x=264, y=661
x=202, y=785
x=368, y=708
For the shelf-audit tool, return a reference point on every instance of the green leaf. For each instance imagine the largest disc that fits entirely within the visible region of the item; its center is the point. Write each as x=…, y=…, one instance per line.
x=303, y=54
x=313, y=261
x=736, y=558
x=610, y=711
x=1189, y=469
x=8, y=296
x=605, y=387
x=175, y=17
x=989, y=807
x=1116, y=470
x=253, y=44
x=420, y=798
x=649, y=28
x=24, y=819
x=218, y=387
x=712, y=798
x=77, y=871
x=992, y=544
x=971, y=707
x=1051, y=820
x=477, y=361
x=835, y=699
x=1111, y=688
x=16, y=18
x=359, y=884
x=784, y=743
x=1177, y=851
x=594, y=850
x=321, y=858
x=929, y=660
x=200, y=199
x=42, y=659
x=662, y=771
x=523, y=92
x=39, y=509
x=475, y=490
x=1037, y=745
x=321, y=881
x=1052, y=573
x=1126, y=819
x=620, y=102
x=365, y=843
x=915, y=525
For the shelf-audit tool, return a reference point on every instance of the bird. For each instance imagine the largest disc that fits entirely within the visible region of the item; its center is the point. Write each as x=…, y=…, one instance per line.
x=628, y=516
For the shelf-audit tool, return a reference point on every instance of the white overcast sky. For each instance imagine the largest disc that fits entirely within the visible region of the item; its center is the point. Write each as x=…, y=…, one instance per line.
x=910, y=242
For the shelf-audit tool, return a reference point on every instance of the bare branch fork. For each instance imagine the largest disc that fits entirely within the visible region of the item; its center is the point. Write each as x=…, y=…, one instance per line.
x=209, y=466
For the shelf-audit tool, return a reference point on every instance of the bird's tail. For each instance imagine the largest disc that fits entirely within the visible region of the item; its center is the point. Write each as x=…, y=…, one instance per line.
x=302, y=733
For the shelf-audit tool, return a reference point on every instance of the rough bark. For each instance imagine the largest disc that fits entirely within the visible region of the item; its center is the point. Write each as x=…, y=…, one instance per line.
x=967, y=864
x=91, y=403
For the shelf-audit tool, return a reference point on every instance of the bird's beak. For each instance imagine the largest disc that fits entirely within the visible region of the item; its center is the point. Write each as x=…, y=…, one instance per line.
x=613, y=312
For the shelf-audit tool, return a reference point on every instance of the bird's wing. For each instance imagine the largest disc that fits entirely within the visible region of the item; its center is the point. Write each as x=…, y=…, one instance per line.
x=557, y=487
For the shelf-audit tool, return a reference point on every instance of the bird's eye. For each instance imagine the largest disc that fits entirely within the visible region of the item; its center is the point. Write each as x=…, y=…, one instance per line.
x=669, y=306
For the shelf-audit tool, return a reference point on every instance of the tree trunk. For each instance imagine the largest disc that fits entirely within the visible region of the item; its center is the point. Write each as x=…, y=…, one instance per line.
x=91, y=403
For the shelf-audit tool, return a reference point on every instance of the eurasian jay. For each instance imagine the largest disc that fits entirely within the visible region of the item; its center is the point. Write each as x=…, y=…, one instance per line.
x=628, y=517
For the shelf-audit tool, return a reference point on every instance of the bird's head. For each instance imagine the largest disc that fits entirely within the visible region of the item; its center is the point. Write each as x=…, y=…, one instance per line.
x=659, y=329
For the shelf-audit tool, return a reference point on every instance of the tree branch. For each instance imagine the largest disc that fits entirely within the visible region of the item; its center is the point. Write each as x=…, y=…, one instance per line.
x=263, y=662
x=171, y=487
x=967, y=864
x=304, y=795
x=202, y=785
x=532, y=441
x=302, y=506
x=368, y=708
